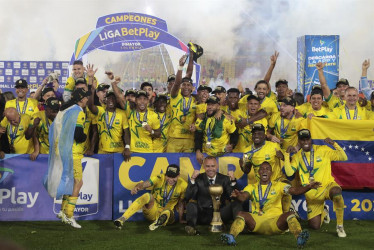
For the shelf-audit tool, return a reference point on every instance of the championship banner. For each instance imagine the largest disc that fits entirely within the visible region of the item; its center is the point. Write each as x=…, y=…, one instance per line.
x=310, y=51
x=142, y=166
x=358, y=171
x=24, y=198
x=33, y=72
x=136, y=47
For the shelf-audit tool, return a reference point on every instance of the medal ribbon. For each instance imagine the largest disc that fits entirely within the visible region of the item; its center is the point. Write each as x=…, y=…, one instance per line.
x=162, y=121
x=166, y=197
x=253, y=151
x=47, y=121
x=311, y=165
x=186, y=108
x=349, y=115
x=209, y=131
x=12, y=134
x=24, y=106
x=144, y=117
x=109, y=125
x=261, y=198
x=284, y=129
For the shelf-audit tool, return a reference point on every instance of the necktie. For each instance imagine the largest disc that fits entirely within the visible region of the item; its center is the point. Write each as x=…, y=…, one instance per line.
x=211, y=181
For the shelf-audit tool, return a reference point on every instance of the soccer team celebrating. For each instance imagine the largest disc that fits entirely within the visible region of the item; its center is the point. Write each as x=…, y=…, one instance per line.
x=268, y=128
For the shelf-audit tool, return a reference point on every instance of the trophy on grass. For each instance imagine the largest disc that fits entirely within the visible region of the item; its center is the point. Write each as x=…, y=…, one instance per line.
x=216, y=192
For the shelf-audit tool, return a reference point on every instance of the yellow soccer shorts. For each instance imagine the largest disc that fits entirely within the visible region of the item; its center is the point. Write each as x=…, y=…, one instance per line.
x=155, y=211
x=266, y=224
x=77, y=167
x=315, y=199
x=180, y=145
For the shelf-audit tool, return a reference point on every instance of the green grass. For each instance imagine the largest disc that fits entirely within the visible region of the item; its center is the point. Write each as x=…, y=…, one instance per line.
x=103, y=235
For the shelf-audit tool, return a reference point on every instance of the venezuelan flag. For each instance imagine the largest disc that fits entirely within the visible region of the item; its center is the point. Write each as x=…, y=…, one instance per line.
x=59, y=179
x=357, y=140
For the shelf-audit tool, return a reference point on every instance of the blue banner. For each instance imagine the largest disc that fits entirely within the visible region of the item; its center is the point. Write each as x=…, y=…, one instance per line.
x=23, y=197
x=33, y=72
x=310, y=51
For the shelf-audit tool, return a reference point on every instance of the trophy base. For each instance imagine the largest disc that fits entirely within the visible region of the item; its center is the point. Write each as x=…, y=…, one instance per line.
x=216, y=228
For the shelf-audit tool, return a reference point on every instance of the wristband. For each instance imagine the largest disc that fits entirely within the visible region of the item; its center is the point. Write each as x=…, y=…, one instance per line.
x=127, y=146
x=152, y=132
x=180, y=67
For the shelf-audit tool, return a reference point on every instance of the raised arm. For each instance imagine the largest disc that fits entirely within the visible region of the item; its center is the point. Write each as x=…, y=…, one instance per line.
x=38, y=92
x=322, y=80
x=190, y=65
x=118, y=93
x=178, y=78
x=273, y=61
x=365, y=87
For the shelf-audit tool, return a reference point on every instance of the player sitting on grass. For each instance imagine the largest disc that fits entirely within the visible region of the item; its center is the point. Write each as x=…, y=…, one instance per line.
x=267, y=216
x=167, y=190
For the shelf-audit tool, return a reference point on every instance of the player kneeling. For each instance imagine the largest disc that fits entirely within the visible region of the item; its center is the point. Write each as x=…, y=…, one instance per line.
x=167, y=191
x=267, y=216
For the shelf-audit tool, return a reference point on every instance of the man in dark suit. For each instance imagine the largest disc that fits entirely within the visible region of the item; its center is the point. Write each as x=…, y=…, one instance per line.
x=200, y=205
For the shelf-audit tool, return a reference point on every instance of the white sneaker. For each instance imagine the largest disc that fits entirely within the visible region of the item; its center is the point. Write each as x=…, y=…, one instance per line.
x=340, y=231
x=60, y=214
x=153, y=226
x=72, y=222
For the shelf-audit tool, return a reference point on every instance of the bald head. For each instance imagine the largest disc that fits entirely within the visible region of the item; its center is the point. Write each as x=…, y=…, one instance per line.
x=12, y=115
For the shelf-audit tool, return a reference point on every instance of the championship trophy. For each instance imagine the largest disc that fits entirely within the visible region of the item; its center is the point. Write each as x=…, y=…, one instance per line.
x=216, y=192
x=197, y=50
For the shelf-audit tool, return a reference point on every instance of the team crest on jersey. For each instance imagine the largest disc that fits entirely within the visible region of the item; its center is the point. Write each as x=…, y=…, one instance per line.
x=30, y=109
x=20, y=128
x=267, y=157
x=318, y=158
x=293, y=129
x=273, y=192
x=117, y=121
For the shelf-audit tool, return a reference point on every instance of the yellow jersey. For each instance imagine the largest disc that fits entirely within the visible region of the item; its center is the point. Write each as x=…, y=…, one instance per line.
x=181, y=121
x=16, y=135
x=245, y=134
x=78, y=148
x=201, y=108
x=272, y=205
x=167, y=198
x=334, y=101
x=29, y=106
x=270, y=106
x=320, y=166
x=110, y=126
x=267, y=152
x=141, y=140
x=288, y=132
x=70, y=83
x=306, y=108
x=359, y=113
x=42, y=131
x=216, y=134
x=159, y=144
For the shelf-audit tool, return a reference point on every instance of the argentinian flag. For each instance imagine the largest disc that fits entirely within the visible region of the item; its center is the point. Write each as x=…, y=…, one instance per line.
x=59, y=179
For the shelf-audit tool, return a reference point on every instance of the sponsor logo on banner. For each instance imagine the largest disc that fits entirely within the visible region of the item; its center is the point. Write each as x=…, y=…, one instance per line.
x=25, y=72
x=8, y=72
x=88, y=200
x=1, y=72
x=65, y=65
x=24, y=65
x=9, y=65
x=41, y=72
x=13, y=196
x=49, y=65
x=33, y=65
x=322, y=49
x=41, y=65
x=17, y=65
x=16, y=71
x=1, y=64
x=33, y=79
x=2, y=79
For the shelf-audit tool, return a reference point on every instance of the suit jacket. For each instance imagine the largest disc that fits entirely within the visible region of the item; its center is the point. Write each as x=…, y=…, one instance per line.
x=200, y=190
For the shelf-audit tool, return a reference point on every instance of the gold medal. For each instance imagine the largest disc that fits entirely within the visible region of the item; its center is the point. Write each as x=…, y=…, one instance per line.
x=208, y=144
x=311, y=179
x=260, y=212
x=183, y=119
x=144, y=124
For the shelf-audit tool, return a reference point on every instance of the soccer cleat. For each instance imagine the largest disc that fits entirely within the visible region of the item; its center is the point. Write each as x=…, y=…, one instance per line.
x=191, y=230
x=159, y=222
x=327, y=214
x=293, y=209
x=72, y=222
x=119, y=222
x=340, y=231
x=64, y=218
x=229, y=239
x=302, y=238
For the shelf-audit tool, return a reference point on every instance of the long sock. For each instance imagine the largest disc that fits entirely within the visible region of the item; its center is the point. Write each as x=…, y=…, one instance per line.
x=69, y=208
x=64, y=202
x=323, y=215
x=286, y=203
x=136, y=205
x=338, y=202
x=237, y=226
x=294, y=225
